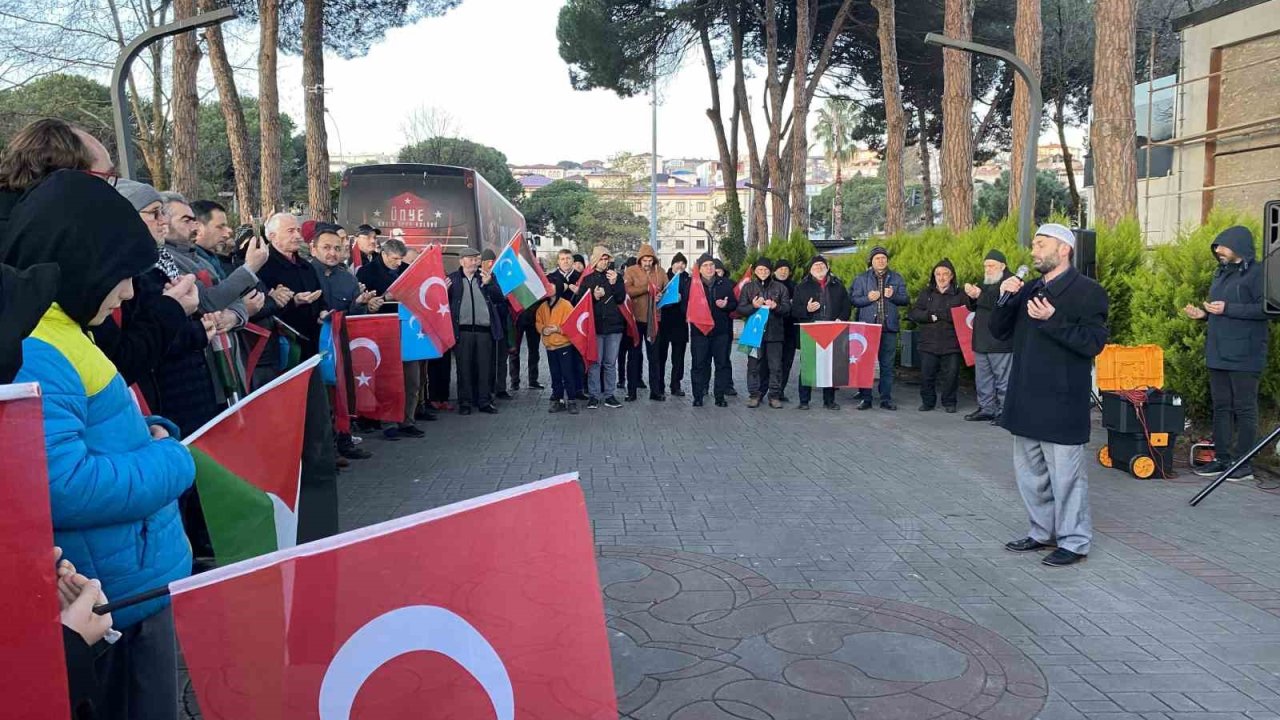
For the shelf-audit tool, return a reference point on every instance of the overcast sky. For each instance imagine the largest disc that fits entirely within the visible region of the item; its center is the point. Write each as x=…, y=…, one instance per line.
x=495, y=66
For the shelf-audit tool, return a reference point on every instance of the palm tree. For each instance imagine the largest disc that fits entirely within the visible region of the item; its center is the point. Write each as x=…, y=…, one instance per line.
x=835, y=123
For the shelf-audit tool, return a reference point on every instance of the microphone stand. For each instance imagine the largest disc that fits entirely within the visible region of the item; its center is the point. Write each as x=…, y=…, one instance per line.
x=1238, y=463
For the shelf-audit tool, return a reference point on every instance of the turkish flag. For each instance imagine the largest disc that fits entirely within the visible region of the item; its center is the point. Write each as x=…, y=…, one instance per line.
x=423, y=291
x=962, y=319
x=737, y=289
x=488, y=608
x=699, y=312
x=633, y=333
x=374, y=341
x=36, y=680
x=580, y=328
x=864, y=351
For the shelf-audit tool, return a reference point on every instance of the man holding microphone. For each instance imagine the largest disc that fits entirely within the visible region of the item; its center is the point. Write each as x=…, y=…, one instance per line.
x=1057, y=323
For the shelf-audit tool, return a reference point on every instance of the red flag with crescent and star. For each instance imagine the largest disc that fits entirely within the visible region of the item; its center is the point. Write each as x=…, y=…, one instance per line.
x=629, y=317
x=864, y=350
x=488, y=608
x=699, y=312
x=374, y=341
x=580, y=328
x=423, y=291
x=962, y=320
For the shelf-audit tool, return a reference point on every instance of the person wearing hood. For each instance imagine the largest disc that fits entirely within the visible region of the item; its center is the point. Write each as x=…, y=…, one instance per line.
x=1235, y=349
x=820, y=297
x=25, y=295
x=552, y=314
x=608, y=291
x=713, y=347
x=991, y=357
x=782, y=272
x=673, y=330
x=938, y=344
x=645, y=281
x=876, y=296
x=1058, y=324
x=114, y=475
x=764, y=367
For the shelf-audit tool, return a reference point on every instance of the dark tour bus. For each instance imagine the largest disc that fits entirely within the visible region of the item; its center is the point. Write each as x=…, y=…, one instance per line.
x=451, y=206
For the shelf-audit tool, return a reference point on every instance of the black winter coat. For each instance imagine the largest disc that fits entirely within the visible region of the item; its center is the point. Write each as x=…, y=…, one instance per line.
x=150, y=323
x=674, y=322
x=833, y=301
x=297, y=275
x=1237, y=339
x=932, y=312
x=770, y=289
x=983, y=340
x=790, y=330
x=608, y=317
x=1051, y=380
x=721, y=288
x=493, y=298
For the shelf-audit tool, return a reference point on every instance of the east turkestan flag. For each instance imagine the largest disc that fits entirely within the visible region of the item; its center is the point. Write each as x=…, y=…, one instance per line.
x=752, y=336
x=824, y=354
x=248, y=464
x=521, y=280
x=423, y=292
x=489, y=608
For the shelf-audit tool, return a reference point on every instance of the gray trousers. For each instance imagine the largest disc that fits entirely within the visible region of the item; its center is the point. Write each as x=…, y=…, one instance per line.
x=1055, y=489
x=992, y=371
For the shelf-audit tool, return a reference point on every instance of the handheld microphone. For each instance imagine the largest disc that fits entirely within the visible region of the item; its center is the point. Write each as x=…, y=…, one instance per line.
x=1004, y=296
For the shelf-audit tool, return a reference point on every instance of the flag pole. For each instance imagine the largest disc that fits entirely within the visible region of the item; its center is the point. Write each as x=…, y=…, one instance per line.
x=131, y=600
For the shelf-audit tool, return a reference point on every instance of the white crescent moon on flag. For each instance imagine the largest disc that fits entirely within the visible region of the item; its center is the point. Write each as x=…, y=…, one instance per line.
x=414, y=319
x=371, y=346
x=581, y=318
x=969, y=320
x=415, y=628
x=507, y=261
x=861, y=340
x=422, y=289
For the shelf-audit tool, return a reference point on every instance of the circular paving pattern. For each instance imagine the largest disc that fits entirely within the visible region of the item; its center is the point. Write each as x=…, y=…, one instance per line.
x=695, y=637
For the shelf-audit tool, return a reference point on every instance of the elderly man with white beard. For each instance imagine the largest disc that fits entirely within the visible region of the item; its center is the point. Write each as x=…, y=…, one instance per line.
x=991, y=356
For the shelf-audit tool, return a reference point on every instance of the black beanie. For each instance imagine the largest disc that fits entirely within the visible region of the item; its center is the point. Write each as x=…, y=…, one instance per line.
x=997, y=256
x=816, y=259
x=877, y=250
x=579, y=259
x=762, y=261
x=88, y=229
x=705, y=258
x=679, y=257
x=783, y=263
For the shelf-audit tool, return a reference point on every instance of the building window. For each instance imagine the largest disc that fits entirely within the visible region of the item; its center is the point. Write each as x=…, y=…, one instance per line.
x=702, y=244
x=558, y=242
x=701, y=225
x=701, y=207
x=679, y=208
x=679, y=244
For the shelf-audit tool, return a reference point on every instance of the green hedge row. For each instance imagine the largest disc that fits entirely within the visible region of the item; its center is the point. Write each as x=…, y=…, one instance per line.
x=1147, y=288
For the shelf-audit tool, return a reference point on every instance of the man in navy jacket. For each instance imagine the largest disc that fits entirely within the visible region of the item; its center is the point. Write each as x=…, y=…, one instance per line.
x=1058, y=324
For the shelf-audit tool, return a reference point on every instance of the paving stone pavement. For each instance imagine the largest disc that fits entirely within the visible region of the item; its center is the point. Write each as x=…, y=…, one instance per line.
x=773, y=564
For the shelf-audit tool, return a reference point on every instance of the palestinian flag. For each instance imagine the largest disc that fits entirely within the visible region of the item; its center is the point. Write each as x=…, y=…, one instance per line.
x=521, y=279
x=290, y=344
x=824, y=354
x=248, y=464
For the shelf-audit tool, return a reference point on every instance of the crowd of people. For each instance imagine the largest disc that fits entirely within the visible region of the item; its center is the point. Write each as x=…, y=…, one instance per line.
x=141, y=312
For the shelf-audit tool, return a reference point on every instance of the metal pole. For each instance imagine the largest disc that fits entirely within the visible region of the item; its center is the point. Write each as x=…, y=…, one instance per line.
x=1242, y=461
x=1026, y=207
x=653, y=165
x=119, y=106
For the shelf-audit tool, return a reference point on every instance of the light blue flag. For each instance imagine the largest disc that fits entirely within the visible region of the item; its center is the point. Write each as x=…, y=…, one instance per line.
x=414, y=343
x=671, y=295
x=328, y=373
x=753, y=332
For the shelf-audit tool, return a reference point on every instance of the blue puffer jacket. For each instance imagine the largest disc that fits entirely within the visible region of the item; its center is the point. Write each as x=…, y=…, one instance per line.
x=113, y=490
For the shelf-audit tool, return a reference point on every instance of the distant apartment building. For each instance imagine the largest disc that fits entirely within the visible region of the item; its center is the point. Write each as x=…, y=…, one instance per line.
x=555, y=172
x=339, y=163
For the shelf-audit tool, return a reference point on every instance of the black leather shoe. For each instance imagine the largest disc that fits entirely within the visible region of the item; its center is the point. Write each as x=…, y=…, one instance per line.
x=1026, y=545
x=535, y=385
x=502, y=395
x=697, y=402
x=803, y=406
x=721, y=402
x=995, y=420
x=864, y=405
x=677, y=392
x=731, y=392
x=489, y=410
x=951, y=409
x=424, y=414
x=657, y=397
x=925, y=408
x=888, y=406
x=631, y=397
x=641, y=386
x=979, y=416
x=1062, y=558
x=410, y=431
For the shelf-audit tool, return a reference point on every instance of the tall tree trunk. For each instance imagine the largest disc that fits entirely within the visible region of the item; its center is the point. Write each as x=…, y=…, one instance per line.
x=957, y=106
x=153, y=144
x=233, y=117
x=926, y=172
x=318, y=197
x=800, y=116
x=1059, y=119
x=775, y=92
x=185, y=106
x=269, y=107
x=1028, y=38
x=759, y=223
x=1113, y=133
x=895, y=121
x=728, y=164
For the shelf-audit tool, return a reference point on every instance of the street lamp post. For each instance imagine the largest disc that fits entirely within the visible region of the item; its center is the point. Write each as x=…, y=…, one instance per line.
x=711, y=241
